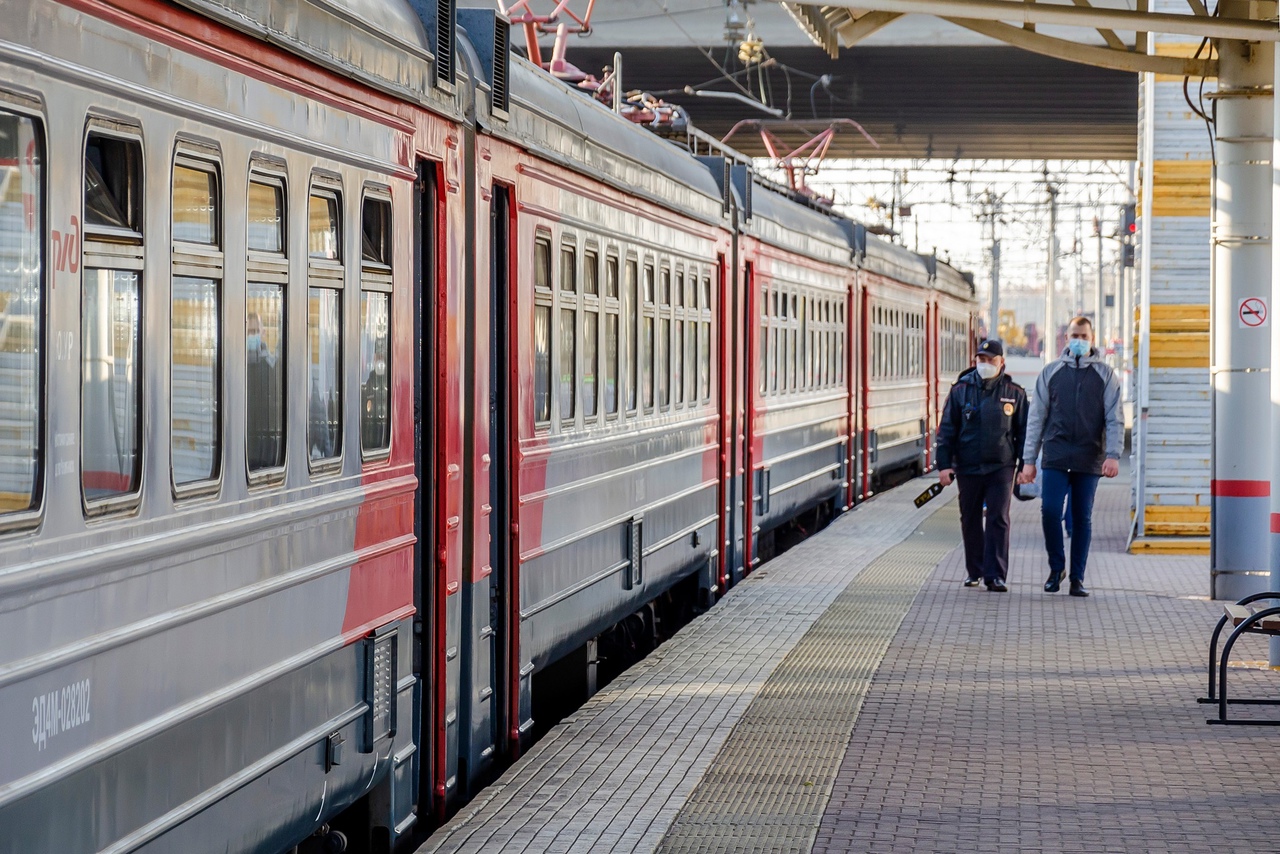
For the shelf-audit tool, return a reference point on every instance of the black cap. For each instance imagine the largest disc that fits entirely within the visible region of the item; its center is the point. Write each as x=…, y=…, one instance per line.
x=991, y=347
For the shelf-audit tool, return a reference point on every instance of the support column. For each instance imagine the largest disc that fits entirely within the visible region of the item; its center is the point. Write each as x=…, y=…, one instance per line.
x=1050, y=336
x=1240, y=322
x=1275, y=357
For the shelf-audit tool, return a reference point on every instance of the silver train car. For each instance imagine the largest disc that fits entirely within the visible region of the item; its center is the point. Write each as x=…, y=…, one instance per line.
x=364, y=391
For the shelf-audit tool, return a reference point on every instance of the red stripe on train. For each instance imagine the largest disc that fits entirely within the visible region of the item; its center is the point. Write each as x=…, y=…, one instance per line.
x=110, y=480
x=1241, y=488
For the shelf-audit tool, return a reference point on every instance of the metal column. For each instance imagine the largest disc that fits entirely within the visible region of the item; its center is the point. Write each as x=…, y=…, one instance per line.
x=1240, y=326
x=1050, y=336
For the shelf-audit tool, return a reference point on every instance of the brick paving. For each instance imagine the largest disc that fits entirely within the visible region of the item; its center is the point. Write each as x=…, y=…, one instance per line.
x=995, y=722
x=1035, y=722
x=614, y=775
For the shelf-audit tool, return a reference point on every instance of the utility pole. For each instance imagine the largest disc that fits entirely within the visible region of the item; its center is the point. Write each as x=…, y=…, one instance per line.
x=1050, y=336
x=1099, y=328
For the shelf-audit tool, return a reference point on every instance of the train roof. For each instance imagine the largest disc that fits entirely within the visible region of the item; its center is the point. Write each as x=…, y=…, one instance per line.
x=949, y=280
x=382, y=43
x=877, y=255
x=568, y=126
x=783, y=221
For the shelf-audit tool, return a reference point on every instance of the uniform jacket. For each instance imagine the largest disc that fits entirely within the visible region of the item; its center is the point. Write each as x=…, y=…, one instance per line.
x=1075, y=415
x=983, y=424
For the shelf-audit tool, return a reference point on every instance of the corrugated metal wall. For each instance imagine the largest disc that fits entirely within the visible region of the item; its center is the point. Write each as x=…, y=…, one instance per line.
x=1172, y=431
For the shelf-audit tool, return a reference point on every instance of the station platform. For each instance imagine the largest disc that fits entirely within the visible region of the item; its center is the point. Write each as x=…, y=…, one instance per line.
x=852, y=695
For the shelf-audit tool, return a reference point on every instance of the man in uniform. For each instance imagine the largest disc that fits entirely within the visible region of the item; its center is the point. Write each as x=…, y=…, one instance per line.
x=1075, y=420
x=980, y=438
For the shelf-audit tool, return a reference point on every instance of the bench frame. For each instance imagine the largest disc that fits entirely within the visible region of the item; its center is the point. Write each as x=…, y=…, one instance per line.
x=1262, y=622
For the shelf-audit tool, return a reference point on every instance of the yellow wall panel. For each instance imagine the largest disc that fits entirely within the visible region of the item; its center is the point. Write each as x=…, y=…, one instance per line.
x=1181, y=187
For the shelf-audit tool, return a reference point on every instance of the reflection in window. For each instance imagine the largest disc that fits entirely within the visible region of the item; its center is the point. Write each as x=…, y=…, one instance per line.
x=324, y=373
x=704, y=360
x=110, y=461
x=195, y=208
x=568, y=363
x=590, y=347
x=195, y=379
x=611, y=364
x=677, y=361
x=322, y=228
x=264, y=338
x=21, y=311
x=664, y=363
x=266, y=217
x=633, y=334
x=375, y=356
x=542, y=363
x=646, y=361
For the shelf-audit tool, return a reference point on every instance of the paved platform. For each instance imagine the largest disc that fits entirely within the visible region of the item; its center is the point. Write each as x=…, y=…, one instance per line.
x=851, y=695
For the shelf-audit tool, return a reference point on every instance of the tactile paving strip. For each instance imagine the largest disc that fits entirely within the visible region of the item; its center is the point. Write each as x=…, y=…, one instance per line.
x=768, y=786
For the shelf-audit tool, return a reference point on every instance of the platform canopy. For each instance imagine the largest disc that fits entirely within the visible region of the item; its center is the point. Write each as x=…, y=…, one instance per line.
x=924, y=78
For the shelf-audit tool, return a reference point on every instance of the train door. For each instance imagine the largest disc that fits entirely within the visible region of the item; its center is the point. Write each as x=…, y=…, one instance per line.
x=730, y=367
x=748, y=324
x=426, y=596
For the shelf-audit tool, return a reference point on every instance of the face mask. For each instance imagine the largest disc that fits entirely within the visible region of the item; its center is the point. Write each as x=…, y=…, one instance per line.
x=1078, y=347
x=986, y=370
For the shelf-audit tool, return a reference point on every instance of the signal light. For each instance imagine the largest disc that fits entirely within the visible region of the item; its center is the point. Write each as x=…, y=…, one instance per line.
x=1128, y=221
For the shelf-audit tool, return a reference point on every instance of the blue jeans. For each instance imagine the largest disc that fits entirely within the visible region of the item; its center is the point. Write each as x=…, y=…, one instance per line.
x=1053, y=494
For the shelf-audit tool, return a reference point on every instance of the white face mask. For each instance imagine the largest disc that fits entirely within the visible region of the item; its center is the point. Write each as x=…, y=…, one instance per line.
x=986, y=370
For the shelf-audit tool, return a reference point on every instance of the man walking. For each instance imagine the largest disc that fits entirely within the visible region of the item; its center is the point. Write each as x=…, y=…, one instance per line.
x=1075, y=420
x=979, y=439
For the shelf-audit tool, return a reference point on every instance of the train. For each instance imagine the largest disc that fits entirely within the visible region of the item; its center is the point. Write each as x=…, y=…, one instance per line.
x=359, y=381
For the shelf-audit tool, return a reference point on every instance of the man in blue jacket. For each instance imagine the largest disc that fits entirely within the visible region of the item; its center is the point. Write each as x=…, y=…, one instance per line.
x=979, y=439
x=1075, y=420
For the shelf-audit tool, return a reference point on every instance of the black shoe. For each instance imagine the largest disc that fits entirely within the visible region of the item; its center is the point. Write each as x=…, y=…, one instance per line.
x=971, y=582
x=1054, y=584
x=1077, y=589
x=997, y=586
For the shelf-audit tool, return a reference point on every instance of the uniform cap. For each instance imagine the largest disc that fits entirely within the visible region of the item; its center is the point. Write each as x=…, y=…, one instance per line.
x=991, y=347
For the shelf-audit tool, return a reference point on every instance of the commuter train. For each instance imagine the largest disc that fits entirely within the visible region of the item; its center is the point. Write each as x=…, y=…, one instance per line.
x=357, y=380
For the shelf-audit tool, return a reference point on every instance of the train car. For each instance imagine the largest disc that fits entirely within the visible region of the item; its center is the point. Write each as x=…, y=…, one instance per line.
x=894, y=290
x=794, y=261
x=207, y=463
x=951, y=342
x=359, y=383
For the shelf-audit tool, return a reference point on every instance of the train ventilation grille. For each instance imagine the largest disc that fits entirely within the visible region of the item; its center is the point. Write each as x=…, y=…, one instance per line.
x=444, y=40
x=501, y=54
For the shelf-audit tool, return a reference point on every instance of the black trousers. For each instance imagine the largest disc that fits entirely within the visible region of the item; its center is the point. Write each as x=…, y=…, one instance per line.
x=986, y=551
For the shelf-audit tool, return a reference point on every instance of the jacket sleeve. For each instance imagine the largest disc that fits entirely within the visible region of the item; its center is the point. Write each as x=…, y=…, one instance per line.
x=1038, y=415
x=1020, y=424
x=1115, y=420
x=948, y=431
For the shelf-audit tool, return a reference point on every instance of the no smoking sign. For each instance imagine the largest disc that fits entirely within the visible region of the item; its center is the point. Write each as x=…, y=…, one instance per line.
x=1252, y=313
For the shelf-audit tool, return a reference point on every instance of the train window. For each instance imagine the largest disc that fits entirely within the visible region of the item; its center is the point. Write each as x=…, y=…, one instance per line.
x=325, y=276
x=22, y=311
x=611, y=363
x=542, y=330
x=762, y=367
x=375, y=357
x=266, y=215
x=196, y=316
x=323, y=238
x=677, y=361
x=678, y=296
x=704, y=360
x=567, y=332
x=568, y=362
x=691, y=359
x=666, y=286
x=633, y=333
x=590, y=333
x=612, y=309
x=542, y=264
x=590, y=273
x=664, y=362
x=264, y=376
x=375, y=326
x=113, y=183
x=646, y=339
x=110, y=316
x=542, y=364
x=324, y=380
x=264, y=322
x=706, y=292
x=611, y=277
x=375, y=233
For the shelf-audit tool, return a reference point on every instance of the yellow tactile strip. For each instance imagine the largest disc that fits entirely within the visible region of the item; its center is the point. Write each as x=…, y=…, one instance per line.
x=768, y=786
